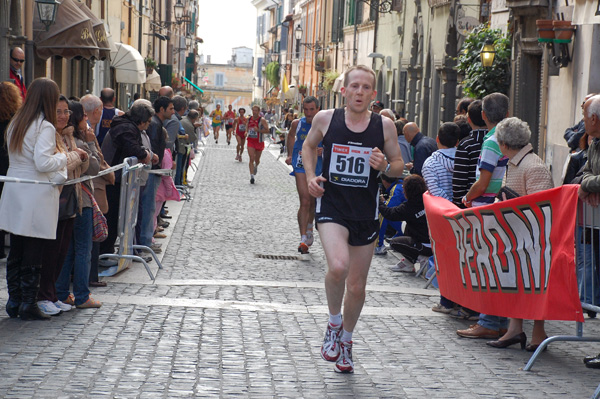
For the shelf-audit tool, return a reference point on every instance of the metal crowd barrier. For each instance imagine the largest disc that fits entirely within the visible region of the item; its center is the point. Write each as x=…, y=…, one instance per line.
x=587, y=237
x=128, y=210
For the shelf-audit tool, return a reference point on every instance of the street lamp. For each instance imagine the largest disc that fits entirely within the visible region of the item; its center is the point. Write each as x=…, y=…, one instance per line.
x=47, y=11
x=487, y=54
x=179, y=17
x=298, y=35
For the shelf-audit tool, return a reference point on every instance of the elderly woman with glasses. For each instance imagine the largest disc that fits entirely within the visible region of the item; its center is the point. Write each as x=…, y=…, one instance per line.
x=526, y=174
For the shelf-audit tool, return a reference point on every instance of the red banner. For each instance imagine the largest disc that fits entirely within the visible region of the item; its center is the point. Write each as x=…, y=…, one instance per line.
x=513, y=258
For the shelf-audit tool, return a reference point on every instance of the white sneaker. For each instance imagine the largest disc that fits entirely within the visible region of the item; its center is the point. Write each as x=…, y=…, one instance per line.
x=403, y=266
x=65, y=307
x=48, y=308
x=382, y=250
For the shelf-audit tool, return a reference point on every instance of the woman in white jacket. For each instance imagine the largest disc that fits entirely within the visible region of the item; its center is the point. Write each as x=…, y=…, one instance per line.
x=29, y=212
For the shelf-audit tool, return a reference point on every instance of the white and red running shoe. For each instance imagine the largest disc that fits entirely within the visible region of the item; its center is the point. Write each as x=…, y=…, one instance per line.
x=344, y=363
x=330, y=350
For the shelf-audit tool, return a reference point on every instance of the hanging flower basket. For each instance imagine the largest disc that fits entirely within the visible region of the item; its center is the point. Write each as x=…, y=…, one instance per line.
x=563, y=30
x=545, y=29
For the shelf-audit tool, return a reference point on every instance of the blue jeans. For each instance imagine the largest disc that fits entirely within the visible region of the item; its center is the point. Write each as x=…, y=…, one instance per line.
x=147, y=207
x=492, y=322
x=77, y=260
x=587, y=261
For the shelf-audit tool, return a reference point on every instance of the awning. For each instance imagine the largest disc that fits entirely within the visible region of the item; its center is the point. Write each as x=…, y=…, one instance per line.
x=338, y=83
x=288, y=95
x=193, y=85
x=72, y=35
x=586, y=12
x=99, y=31
x=129, y=64
x=153, y=82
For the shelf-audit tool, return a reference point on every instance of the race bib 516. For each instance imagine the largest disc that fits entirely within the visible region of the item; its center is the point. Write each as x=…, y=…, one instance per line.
x=252, y=133
x=349, y=165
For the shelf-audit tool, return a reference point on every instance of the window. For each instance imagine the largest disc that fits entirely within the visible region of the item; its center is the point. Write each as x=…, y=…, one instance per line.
x=337, y=22
x=219, y=79
x=397, y=5
x=350, y=12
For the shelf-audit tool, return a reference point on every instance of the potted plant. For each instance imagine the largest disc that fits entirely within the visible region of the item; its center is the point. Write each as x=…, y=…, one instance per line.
x=150, y=63
x=329, y=78
x=320, y=65
x=545, y=29
x=302, y=89
x=563, y=30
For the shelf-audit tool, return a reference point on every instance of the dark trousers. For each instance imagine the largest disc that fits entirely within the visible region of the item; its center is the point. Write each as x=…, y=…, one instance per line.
x=54, y=257
x=23, y=268
x=410, y=248
x=94, y=262
x=113, y=197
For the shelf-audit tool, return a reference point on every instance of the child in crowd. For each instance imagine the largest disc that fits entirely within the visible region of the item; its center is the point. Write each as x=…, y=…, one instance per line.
x=414, y=245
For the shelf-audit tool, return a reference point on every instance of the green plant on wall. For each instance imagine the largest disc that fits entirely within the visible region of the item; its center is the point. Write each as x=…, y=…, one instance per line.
x=150, y=62
x=272, y=73
x=329, y=78
x=479, y=81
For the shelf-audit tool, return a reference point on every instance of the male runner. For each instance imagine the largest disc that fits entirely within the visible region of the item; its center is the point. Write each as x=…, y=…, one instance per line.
x=229, y=119
x=295, y=140
x=217, y=117
x=257, y=126
x=354, y=143
x=240, y=133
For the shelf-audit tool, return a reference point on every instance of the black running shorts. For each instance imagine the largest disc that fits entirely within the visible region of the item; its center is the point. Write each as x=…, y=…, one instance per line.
x=361, y=232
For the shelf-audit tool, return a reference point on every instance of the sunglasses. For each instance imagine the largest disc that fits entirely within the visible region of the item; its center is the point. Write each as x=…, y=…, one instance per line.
x=17, y=60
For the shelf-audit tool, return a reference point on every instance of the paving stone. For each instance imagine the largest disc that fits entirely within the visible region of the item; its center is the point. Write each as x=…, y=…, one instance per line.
x=136, y=346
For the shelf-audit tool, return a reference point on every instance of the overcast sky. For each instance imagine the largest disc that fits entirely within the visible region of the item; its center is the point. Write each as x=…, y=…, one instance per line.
x=225, y=24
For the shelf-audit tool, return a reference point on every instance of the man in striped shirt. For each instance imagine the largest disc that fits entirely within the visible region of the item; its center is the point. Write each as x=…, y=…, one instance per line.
x=467, y=154
x=490, y=171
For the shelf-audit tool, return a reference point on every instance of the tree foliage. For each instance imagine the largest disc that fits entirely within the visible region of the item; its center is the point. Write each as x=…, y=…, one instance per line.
x=272, y=73
x=479, y=81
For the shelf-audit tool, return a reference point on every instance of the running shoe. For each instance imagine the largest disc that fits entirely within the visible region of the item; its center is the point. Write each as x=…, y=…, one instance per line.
x=228, y=142
x=63, y=306
x=251, y=179
x=380, y=250
x=303, y=248
x=330, y=350
x=344, y=363
x=310, y=238
x=48, y=308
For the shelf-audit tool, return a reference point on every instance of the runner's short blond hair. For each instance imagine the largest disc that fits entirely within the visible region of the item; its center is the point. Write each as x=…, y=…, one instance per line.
x=363, y=68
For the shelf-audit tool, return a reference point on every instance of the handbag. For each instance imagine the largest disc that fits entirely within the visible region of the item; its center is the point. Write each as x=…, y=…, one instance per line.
x=68, y=205
x=100, y=227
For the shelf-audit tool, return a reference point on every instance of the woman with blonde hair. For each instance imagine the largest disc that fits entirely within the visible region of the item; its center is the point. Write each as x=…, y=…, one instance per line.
x=29, y=212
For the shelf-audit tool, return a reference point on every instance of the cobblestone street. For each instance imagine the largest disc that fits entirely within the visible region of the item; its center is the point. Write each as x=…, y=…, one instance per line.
x=225, y=319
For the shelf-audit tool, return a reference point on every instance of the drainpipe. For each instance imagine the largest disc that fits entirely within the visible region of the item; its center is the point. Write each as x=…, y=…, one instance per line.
x=29, y=42
x=4, y=48
x=355, y=55
x=375, y=37
x=543, y=134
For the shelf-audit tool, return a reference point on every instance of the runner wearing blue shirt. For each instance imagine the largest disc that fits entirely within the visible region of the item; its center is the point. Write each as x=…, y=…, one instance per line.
x=295, y=139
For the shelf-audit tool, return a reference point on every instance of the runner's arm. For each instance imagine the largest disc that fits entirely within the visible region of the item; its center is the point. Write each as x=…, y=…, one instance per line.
x=393, y=156
x=263, y=126
x=291, y=138
x=320, y=124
